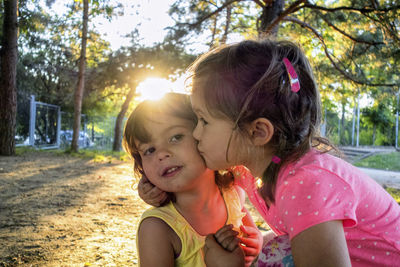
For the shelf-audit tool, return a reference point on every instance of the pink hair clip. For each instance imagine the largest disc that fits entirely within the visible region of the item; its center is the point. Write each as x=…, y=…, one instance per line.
x=294, y=80
x=275, y=159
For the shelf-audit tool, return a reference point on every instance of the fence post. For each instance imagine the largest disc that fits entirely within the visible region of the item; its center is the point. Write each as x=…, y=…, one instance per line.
x=397, y=120
x=354, y=124
x=32, y=121
x=58, y=126
x=323, y=125
x=358, y=119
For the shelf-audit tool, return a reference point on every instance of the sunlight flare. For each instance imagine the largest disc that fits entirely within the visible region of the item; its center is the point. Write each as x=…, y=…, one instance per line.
x=155, y=88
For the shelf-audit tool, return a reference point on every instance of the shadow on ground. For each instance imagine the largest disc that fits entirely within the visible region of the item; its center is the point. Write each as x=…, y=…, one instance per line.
x=57, y=210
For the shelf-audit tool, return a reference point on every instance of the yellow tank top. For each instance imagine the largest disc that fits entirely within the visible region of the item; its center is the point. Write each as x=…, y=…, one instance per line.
x=192, y=243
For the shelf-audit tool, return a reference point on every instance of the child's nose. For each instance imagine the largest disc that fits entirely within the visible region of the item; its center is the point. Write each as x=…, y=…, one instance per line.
x=162, y=155
x=196, y=133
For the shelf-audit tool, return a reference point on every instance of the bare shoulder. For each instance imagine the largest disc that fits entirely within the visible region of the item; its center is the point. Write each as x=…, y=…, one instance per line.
x=158, y=244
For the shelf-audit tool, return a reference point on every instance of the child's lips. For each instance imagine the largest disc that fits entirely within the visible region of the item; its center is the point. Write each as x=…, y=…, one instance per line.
x=171, y=171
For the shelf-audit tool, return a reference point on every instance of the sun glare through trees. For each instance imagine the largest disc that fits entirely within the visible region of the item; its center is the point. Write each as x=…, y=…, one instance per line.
x=155, y=88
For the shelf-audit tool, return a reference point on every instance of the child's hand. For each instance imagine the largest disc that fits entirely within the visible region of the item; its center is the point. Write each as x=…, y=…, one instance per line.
x=227, y=237
x=151, y=194
x=216, y=256
x=252, y=243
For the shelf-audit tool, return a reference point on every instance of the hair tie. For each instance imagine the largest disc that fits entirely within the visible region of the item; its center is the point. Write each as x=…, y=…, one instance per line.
x=275, y=159
x=294, y=80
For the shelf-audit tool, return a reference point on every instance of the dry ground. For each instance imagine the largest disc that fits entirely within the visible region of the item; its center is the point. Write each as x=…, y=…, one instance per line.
x=65, y=211
x=58, y=210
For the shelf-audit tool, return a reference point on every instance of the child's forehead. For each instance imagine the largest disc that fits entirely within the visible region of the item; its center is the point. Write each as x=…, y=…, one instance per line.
x=167, y=118
x=164, y=123
x=198, y=102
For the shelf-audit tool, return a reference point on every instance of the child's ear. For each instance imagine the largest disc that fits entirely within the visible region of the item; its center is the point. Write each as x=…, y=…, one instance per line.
x=261, y=131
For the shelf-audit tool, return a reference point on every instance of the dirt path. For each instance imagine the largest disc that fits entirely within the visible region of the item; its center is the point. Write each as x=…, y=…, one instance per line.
x=56, y=210
x=65, y=211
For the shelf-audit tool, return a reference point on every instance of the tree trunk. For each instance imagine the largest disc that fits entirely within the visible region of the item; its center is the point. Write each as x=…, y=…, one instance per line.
x=8, y=90
x=269, y=13
x=81, y=80
x=120, y=119
x=373, y=134
x=227, y=24
x=214, y=30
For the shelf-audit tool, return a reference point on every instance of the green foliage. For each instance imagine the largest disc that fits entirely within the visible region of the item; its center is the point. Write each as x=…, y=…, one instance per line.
x=366, y=136
x=48, y=53
x=19, y=151
x=98, y=155
x=395, y=193
x=388, y=161
x=379, y=117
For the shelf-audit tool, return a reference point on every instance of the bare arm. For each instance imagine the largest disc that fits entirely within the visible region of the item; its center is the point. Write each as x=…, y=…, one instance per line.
x=321, y=245
x=155, y=243
x=252, y=238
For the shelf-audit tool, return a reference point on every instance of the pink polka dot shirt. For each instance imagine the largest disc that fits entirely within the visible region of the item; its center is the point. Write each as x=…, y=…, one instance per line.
x=320, y=188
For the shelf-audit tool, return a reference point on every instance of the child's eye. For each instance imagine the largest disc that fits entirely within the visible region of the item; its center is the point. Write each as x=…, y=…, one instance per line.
x=176, y=138
x=203, y=121
x=148, y=151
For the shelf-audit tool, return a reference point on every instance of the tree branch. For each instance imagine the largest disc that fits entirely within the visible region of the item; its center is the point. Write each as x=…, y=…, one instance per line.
x=361, y=10
x=268, y=2
x=357, y=40
x=201, y=20
x=321, y=39
x=286, y=12
x=260, y=3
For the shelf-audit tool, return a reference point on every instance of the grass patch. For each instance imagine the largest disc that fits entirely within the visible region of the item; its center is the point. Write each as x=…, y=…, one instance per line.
x=20, y=150
x=387, y=161
x=95, y=155
x=99, y=155
x=395, y=193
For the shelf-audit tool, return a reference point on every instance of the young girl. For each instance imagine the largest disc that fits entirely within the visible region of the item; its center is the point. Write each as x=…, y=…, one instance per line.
x=158, y=135
x=258, y=105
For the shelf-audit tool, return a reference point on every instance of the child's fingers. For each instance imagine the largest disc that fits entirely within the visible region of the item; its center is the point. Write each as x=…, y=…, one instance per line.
x=155, y=192
x=250, y=251
x=144, y=186
x=248, y=260
x=210, y=243
x=248, y=230
x=151, y=194
x=159, y=200
x=230, y=243
x=224, y=228
x=250, y=242
x=226, y=233
x=148, y=188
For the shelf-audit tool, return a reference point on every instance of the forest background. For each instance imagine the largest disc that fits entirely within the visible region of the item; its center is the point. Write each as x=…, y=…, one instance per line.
x=65, y=60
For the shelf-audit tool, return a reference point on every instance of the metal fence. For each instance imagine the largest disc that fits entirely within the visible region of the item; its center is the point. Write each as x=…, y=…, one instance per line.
x=45, y=126
x=38, y=124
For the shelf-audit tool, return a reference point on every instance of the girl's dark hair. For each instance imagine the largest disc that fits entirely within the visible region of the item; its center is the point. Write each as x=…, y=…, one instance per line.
x=174, y=104
x=248, y=80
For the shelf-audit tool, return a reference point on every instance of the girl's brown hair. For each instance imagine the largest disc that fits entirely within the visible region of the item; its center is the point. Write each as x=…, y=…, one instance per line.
x=174, y=104
x=248, y=80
